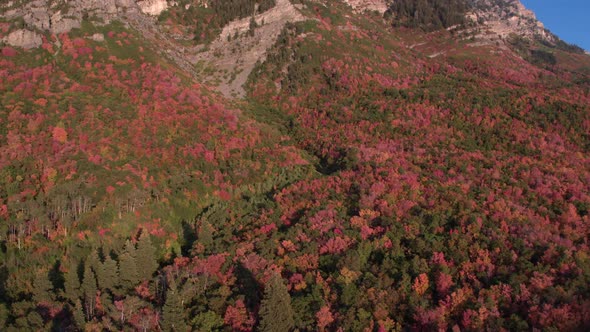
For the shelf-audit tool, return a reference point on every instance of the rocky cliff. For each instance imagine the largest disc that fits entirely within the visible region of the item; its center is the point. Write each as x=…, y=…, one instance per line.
x=55, y=17
x=502, y=18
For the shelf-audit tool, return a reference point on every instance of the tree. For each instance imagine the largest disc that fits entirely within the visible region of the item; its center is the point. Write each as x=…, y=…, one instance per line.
x=205, y=234
x=276, y=313
x=89, y=290
x=107, y=276
x=128, y=267
x=146, y=256
x=43, y=288
x=72, y=283
x=173, y=312
x=78, y=315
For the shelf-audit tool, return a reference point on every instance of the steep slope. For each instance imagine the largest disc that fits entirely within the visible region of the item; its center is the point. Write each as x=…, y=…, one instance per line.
x=391, y=178
x=505, y=17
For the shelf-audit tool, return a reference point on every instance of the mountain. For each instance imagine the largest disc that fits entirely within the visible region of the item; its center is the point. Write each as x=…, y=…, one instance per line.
x=368, y=165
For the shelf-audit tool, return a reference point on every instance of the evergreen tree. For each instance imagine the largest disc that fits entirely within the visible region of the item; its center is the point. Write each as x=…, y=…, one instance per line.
x=107, y=275
x=205, y=235
x=128, y=272
x=89, y=290
x=146, y=256
x=173, y=312
x=78, y=315
x=276, y=313
x=72, y=284
x=43, y=288
x=94, y=261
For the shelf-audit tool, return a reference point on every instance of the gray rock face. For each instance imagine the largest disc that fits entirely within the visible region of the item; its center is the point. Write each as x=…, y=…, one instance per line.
x=506, y=17
x=152, y=7
x=60, y=16
x=65, y=25
x=38, y=18
x=24, y=38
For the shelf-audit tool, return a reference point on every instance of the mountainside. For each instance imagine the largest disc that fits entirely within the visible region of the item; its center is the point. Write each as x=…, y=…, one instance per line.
x=281, y=165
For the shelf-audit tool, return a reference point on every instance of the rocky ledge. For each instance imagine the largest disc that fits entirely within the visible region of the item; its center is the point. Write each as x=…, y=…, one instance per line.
x=55, y=17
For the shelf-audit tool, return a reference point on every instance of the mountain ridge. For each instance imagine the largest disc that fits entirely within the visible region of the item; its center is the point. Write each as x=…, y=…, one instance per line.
x=373, y=174
x=490, y=22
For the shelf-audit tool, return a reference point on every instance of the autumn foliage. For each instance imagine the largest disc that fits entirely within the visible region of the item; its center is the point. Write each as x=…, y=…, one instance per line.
x=378, y=187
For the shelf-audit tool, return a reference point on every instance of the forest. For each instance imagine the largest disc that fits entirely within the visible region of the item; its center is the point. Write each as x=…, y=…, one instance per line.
x=428, y=14
x=364, y=186
x=205, y=23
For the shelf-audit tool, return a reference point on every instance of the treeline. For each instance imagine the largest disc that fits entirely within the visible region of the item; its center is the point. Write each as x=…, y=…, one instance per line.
x=206, y=23
x=427, y=14
x=82, y=291
x=230, y=10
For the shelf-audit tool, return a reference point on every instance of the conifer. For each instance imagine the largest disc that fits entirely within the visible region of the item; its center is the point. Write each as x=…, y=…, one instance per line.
x=72, y=284
x=128, y=272
x=173, y=312
x=43, y=288
x=108, y=277
x=276, y=313
x=146, y=257
x=89, y=289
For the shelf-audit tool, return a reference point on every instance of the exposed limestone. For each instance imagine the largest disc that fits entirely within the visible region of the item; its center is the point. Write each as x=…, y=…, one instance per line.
x=98, y=37
x=124, y=3
x=24, y=38
x=64, y=15
x=39, y=18
x=368, y=5
x=152, y=7
x=237, y=57
x=501, y=18
x=65, y=25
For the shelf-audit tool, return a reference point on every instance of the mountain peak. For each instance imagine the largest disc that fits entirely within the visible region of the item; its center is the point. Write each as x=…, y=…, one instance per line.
x=502, y=18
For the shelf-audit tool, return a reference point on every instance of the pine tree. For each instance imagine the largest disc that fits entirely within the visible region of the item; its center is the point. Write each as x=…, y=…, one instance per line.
x=107, y=275
x=146, y=257
x=78, y=315
x=128, y=273
x=72, y=284
x=89, y=290
x=94, y=261
x=43, y=288
x=276, y=313
x=173, y=312
x=205, y=235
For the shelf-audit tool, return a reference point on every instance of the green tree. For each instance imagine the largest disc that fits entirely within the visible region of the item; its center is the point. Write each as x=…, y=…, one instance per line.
x=128, y=272
x=43, y=288
x=205, y=235
x=146, y=256
x=107, y=275
x=89, y=289
x=173, y=312
x=276, y=313
x=72, y=284
x=78, y=315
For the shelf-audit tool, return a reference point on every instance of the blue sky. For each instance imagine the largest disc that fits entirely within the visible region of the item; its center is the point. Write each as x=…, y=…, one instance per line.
x=569, y=19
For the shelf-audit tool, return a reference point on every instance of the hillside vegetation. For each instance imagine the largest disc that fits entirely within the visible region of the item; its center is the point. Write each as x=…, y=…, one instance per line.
x=375, y=178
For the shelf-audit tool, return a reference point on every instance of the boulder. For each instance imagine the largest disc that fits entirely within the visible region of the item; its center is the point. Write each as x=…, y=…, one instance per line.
x=24, y=38
x=98, y=37
x=65, y=25
x=152, y=7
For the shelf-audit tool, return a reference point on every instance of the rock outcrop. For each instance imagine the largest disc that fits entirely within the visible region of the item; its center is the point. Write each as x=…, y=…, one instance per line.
x=152, y=7
x=368, y=5
x=501, y=18
x=61, y=16
x=23, y=38
x=239, y=56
